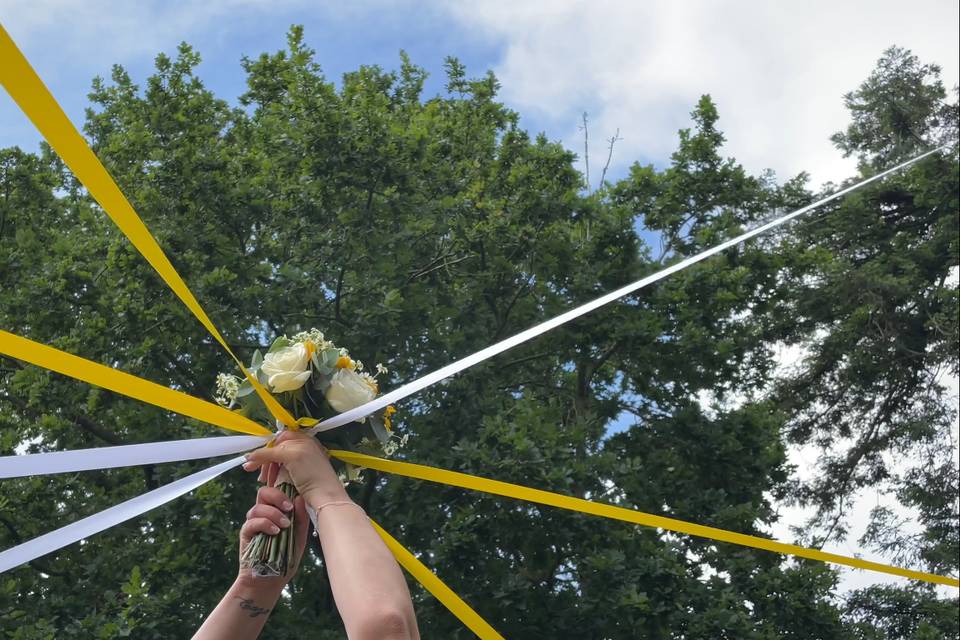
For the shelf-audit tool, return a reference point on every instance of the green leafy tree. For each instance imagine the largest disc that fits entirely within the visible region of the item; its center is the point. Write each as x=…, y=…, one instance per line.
x=416, y=230
x=877, y=312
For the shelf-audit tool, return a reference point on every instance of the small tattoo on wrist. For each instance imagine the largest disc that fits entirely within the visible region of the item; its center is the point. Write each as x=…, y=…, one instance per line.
x=247, y=604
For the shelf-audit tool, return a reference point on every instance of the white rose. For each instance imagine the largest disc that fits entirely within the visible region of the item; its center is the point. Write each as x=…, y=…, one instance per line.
x=348, y=389
x=286, y=368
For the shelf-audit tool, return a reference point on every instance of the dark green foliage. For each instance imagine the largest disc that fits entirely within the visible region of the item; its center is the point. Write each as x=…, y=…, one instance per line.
x=878, y=312
x=415, y=230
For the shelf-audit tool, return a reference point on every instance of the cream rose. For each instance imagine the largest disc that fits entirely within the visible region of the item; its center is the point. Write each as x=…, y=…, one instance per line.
x=286, y=368
x=348, y=389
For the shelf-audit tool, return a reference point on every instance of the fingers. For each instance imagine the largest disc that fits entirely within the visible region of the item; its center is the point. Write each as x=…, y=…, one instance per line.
x=288, y=446
x=278, y=454
x=254, y=526
x=288, y=435
x=274, y=497
x=271, y=513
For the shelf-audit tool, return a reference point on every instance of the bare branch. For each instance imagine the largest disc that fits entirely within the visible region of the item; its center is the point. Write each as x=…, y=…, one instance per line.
x=616, y=137
x=586, y=149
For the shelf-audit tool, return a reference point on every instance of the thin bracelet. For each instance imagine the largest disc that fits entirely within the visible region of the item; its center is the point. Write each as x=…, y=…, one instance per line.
x=336, y=504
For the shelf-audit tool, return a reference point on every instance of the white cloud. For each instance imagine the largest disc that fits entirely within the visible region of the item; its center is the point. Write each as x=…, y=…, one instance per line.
x=111, y=31
x=778, y=71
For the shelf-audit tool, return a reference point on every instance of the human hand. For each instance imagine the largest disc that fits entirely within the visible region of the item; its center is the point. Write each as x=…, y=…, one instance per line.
x=269, y=515
x=306, y=462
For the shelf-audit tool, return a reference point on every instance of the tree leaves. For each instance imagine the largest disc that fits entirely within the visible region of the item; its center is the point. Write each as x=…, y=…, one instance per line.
x=417, y=230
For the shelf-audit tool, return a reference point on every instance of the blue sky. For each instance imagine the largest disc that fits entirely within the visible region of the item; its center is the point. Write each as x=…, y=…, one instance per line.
x=777, y=71
x=343, y=40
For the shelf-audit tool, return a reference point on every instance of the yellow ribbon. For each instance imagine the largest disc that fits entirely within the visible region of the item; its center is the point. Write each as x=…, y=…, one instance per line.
x=129, y=385
x=126, y=384
x=496, y=487
x=28, y=91
x=436, y=586
x=171, y=400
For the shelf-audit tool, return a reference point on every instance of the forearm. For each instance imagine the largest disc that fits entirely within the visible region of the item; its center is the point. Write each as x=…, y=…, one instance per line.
x=367, y=582
x=241, y=613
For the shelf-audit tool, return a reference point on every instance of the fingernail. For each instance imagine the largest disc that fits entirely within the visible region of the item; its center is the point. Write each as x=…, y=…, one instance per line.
x=274, y=529
x=287, y=505
x=284, y=521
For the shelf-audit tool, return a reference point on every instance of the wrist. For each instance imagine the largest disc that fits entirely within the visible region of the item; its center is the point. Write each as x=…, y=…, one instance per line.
x=266, y=590
x=318, y=497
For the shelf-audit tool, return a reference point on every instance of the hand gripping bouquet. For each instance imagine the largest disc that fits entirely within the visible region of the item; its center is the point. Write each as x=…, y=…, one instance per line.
x=313, y=379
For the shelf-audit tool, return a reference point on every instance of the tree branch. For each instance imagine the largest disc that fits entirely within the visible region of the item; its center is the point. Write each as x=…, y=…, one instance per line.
x=336, y=303
x=616, y=137
x=586, y=149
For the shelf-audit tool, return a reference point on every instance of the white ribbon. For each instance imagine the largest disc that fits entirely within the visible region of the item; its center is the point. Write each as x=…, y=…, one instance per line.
x=37, y=464
x=478, y=357
x=115, y=515
x=107, y=518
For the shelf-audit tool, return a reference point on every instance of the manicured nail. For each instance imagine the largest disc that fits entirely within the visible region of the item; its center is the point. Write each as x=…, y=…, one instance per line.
x=274, y=529
x=287, y=505
x=284, y=521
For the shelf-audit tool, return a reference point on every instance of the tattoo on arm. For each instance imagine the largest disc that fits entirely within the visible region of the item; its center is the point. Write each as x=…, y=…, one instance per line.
x=247, y=604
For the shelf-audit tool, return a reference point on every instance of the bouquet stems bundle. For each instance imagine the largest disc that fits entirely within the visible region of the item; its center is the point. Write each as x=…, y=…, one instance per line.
x=269, y=555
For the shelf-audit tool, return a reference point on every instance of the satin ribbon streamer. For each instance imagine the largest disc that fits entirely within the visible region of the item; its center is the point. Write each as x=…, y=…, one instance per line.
x=28, y=91
x=499, y=488
x=436, y=586
x=22, y=553
x=430, y=582
x=488, y=352
x=128, y=455
x=126, y=384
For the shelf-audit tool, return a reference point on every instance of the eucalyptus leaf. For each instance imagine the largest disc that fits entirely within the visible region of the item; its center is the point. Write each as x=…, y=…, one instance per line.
x=379, y=429
x=321, y=382
x=330, y=357
x=280, y=343
x=245, y=389
x=251, y=406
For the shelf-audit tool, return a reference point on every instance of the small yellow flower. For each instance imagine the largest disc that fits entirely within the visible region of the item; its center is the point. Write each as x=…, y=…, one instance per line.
x=311, y=347
x=344, y=362
x=387, y=422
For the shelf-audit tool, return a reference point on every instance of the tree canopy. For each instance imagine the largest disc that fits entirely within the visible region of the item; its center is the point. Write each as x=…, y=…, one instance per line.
x=417, y=229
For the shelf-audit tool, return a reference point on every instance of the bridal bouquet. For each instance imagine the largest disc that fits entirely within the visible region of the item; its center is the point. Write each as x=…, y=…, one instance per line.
x=313, y=379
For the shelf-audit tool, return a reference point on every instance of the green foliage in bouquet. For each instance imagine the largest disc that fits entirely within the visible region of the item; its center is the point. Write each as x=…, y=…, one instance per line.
x=315, y=379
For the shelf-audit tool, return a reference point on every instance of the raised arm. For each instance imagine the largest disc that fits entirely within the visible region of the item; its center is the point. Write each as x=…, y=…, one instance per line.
x=246, y=606
x=367, y=582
